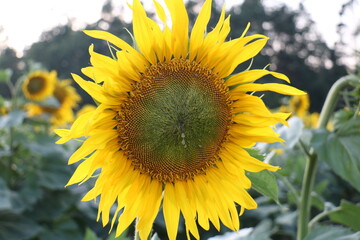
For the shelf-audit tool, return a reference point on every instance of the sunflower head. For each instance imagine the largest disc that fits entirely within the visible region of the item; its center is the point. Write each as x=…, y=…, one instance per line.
x=299, y=105
x=39, y=85
x=61, y=114
x=173, y=123
x=183, y=104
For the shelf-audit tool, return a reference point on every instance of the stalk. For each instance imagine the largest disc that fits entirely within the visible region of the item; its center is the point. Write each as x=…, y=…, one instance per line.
x=312, y=160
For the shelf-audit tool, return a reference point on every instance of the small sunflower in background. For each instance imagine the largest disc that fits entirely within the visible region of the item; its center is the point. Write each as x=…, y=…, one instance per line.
x=4, y=110
x=61, y=113
x=299, y=106
x=172, y=125
x=39, y=85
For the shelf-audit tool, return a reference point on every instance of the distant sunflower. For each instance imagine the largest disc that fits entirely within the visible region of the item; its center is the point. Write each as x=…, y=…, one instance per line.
x=62, y=114
x=169, y=128
x=39, y=85
x=4, y=110
x=299, y=105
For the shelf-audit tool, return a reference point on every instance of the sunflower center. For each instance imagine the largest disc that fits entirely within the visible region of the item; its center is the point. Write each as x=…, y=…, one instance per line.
x=174, y=123
x=36, y=85
x=60, y=94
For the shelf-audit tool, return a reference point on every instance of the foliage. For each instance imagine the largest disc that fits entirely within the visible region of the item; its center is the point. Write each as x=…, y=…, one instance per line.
x=295, y=49
x=33, y=171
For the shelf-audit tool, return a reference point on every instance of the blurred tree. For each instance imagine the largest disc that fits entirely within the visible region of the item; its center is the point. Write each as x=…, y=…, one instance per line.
x=9, y=60
x=65, y=50
x=295, y=47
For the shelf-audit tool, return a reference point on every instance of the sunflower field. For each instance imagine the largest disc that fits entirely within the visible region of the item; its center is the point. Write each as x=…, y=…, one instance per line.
x=176, y=131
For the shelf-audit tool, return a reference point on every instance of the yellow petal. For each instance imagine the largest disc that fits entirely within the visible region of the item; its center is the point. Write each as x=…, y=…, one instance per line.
x=180, y=26
x=171, y=211
x=244, y=53
x=198, y=31
x=151, y=208
x=187, y=207
x=143, y=33
x=96, y=91
x=274, y=87
x=117, y=42
x=160, y=11
x=252, y=75
x=82, y=171
x=249, y=163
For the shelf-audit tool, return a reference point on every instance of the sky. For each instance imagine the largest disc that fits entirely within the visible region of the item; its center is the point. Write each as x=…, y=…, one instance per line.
x=22, y=21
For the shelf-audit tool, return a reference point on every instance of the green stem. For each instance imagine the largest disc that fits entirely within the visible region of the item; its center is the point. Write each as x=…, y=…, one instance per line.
x=322, y=215
x=10, y=158
x=333, y=96
x=305, y=199
x=312, y=160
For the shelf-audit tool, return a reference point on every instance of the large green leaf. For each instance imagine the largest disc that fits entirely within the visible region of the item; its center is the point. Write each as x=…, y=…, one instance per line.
x=5, y=196
x=349, y=215
x=12, y=119
x=64, y=228
x=53, y=205
x=16, y=227
x=90, y=235
x=333, y=233
x=340, y=150
x=121, y=237
x=54, y=173
x=263, y=182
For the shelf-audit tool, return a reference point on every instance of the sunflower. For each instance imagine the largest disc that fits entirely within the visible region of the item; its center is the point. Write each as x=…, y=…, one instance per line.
x=62, y=114
x=172, y=124
x=39, y=85
x=299, y=105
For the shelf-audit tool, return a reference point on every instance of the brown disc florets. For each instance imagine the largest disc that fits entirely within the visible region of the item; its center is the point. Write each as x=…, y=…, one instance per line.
x=174, y=122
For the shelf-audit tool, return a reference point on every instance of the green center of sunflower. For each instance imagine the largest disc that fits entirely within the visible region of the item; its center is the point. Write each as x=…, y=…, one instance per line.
x=36, y=84
x=174, y=123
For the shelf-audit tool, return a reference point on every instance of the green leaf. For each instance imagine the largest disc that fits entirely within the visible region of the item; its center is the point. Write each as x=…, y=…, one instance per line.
x=340, y=150
x=121, y=237
x=332, y=232
x=53, y=205
x=90, y=235
x=348, y=215
x=64, y=228
x=261, y=232
x=317, y=201
x=5, y=75
x=5, y=196
x=54, y=174
x=16, y=227
x=43, y=144
x=342, y=116
x=12, y=119
x=265, y=183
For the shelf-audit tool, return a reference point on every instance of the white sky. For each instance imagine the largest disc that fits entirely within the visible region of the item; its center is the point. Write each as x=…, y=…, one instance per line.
x=23, y=21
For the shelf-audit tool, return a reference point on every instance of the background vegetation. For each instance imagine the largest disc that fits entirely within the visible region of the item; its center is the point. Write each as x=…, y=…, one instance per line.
x=33, y=171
